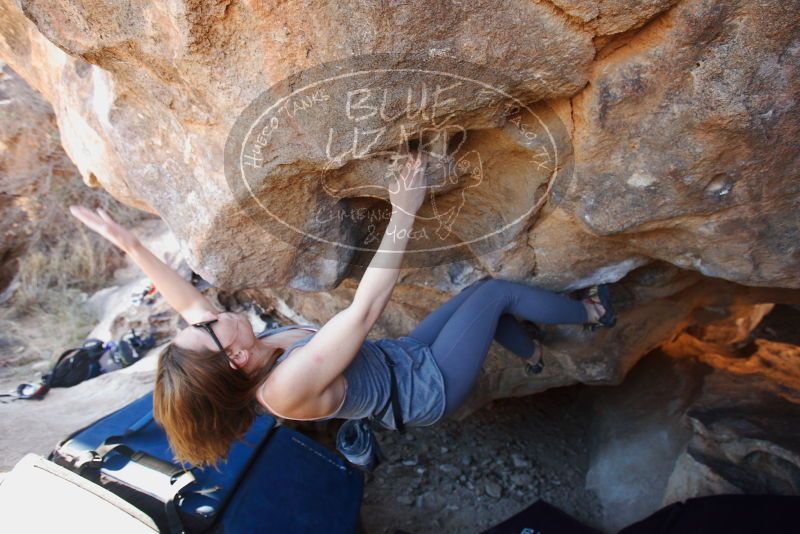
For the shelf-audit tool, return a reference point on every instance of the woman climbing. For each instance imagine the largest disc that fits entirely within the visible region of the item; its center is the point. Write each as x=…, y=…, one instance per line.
x=217, y=374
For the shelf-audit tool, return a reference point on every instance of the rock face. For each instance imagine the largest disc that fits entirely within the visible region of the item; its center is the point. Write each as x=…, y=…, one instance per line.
x=704, y=416
x=31, y=157
x=637, y=432
x=681, y=118
x=680, y=140
x=743, y=423
x=744, y=439
x=666, y=164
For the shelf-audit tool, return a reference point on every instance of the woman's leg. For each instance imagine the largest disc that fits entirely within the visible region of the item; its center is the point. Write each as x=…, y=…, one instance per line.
x=509, y=332
x=463, y=342
x=513, y=336
x=429, y=327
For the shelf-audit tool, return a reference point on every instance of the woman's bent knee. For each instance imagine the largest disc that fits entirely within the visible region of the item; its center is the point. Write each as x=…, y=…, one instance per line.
x=498, y=284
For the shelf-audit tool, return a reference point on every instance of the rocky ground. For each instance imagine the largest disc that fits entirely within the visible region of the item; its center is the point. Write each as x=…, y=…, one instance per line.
x=464, y=476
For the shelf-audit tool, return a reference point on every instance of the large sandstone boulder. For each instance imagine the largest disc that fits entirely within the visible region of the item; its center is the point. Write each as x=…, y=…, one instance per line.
x=674, y=110
x=31, y=159
x=684, y=141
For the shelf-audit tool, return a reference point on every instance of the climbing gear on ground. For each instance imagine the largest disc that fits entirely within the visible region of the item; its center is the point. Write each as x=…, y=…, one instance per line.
x=26, y=391
x=147, y=296
x=140, y=344
x=91, y=359
x=127, y=351
x=72, y=367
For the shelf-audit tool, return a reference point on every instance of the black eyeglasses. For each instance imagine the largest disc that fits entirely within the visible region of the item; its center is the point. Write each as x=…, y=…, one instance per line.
x=206, y=325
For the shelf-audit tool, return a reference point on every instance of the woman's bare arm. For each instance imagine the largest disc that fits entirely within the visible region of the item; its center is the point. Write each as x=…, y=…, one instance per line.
x=180, y=294
x=314, y=366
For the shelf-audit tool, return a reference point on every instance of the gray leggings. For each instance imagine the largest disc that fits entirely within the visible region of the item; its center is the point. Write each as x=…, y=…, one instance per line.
x=461, y=330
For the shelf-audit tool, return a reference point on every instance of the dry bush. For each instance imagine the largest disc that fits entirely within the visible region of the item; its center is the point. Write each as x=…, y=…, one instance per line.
x=64, y=262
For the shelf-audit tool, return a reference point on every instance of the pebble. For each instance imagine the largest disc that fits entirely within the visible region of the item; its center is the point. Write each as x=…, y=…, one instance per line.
x=450, y=469
x=493, y=489
x=394, y=470
x=519, y=461
x=408, y=500
x=521, y=479
x=466, y=460
x=444, y=450
x=426, y=500
x=414, y=460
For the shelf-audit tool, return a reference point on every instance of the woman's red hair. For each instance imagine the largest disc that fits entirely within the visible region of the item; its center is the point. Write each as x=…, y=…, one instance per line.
x=203, y=404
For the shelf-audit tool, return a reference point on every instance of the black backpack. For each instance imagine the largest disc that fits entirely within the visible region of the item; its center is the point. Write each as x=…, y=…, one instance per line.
x=72, y=367
x=91, y=359
x=76, y=365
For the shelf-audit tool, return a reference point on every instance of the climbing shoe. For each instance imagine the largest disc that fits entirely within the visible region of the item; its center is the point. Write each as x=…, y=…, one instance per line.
x=600, y=294
x=538, y=367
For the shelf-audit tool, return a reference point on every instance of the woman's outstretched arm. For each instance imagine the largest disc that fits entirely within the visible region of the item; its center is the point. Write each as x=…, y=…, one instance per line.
x=314, y=366
x=180, y=294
